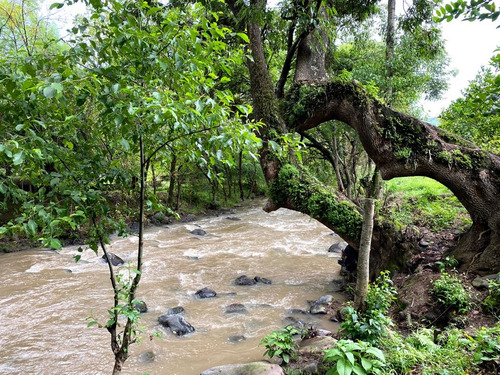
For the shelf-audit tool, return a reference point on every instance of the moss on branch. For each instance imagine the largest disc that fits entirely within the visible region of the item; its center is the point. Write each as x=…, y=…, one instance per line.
x=301, y=191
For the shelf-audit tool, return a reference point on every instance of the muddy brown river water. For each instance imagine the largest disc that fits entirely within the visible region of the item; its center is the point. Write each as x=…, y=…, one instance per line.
x=45, y=297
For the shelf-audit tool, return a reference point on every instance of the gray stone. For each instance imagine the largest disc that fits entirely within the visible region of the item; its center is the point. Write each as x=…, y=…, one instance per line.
x=254, y=368
x=484, y=282
x=198, y=232
x=147, y=357
x=175, y=310
x=177, y=324
x=159, y=218
x=337, y=247
x=141, y=307
x=311, y=368
x=236, y=339
x=262, y=280
x=205, y=293
x=316, y=344
x=244, y=280
x=114, y=259
x=232, y=218
x=424, y=243
x=321, y=305
x=235, y=308
x=336, y=285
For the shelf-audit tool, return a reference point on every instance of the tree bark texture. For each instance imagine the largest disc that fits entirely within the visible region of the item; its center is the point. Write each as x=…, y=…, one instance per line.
x=363, y=271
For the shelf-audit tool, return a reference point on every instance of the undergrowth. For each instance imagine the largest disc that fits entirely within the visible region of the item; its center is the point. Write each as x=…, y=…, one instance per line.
x=424, y=202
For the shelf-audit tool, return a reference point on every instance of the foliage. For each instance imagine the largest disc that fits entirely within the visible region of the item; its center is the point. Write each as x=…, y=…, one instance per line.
x=447, y=262
x=358, y=357
x=419, y=65
x=425, y=202
x=281, y=343
x=449, y=290
x=426, y=353
x=486, y=345
x=471, y=10
x=492, y=300
x=372, y=322
x=137, y=82
x=476, y=116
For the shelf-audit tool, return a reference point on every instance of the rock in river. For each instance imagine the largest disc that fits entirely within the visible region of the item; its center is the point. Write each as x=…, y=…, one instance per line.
x=235, y=308
x=198, y=232
x=176, y=323
x=254, y=368
x=245, y=280
x=321, y=305
x=205, y=293
x=114, y=259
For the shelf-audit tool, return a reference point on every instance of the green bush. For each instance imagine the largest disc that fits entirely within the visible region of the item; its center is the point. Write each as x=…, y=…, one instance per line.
x=492, y=300
x=370, y=324
x=486, y=345
x=280, y=343
x=358, y=357
x=425, y=352
x=449, y=290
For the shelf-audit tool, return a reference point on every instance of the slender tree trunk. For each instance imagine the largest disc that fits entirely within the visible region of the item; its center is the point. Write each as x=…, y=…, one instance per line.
x=336, y=166
x=171, y=184
x=389, y=46
x=240, y=175
x=363, y=271
x=154, y=176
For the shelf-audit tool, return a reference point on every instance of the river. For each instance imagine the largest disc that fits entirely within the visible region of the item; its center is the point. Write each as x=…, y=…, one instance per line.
x=46, y=297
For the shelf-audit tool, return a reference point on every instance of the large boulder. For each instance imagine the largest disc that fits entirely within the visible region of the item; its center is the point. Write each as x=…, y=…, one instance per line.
x=337, y=247
x=114, y=259
x=254, y=368
x=177, y=324
x=206, y=293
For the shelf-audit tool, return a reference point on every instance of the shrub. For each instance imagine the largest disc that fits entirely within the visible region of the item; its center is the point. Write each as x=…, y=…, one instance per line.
x=486, y=345
x=280, y=343
x=492, y=301
x=358, y=357
x=427, y=353
x=449, y=290
x=370, y=324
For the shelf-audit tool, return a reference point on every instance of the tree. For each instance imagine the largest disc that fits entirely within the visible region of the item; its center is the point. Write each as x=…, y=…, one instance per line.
x=83, y=124
x=475, y=116
x=400, y=145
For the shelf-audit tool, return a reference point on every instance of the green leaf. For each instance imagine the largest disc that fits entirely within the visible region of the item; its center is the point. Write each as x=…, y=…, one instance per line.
x=125, y=144
x=56, y=5
x=244, y=37
x=55, y=244
x=344, y=367
x=32, y=228
x=18, y=158
x=49, y=92
x=376, y=353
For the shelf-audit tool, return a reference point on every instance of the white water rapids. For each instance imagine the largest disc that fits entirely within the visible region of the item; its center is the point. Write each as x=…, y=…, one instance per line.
x=46, y=297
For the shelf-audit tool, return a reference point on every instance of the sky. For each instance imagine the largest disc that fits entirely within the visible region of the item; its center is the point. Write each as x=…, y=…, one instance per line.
x=470, y=45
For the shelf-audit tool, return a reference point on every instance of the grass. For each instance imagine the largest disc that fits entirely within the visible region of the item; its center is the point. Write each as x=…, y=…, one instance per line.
x=422, y=201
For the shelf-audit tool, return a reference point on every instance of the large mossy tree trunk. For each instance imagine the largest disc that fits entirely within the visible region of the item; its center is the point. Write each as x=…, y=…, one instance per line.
x=399, y=145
